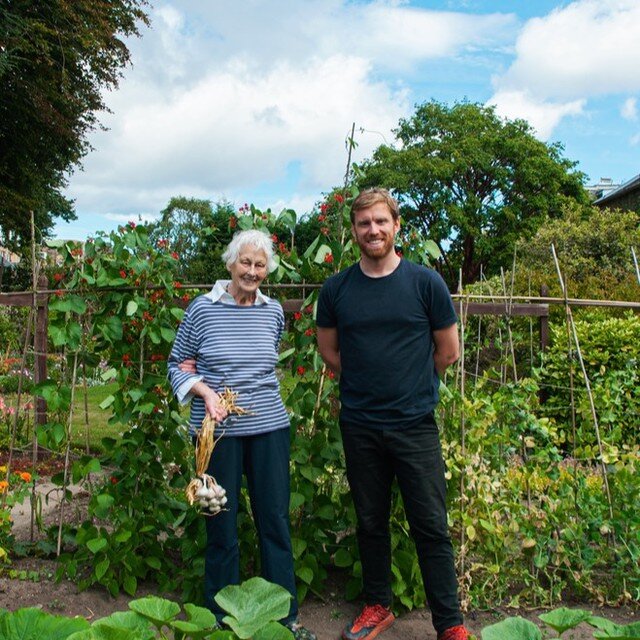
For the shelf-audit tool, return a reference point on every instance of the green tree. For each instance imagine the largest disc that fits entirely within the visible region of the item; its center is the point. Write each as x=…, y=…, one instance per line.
x=197, y=232
x=473, y=182
x=594, y=251
x=56, y=60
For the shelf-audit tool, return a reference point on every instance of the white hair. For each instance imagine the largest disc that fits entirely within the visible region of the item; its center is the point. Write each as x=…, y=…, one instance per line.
x=253, y=237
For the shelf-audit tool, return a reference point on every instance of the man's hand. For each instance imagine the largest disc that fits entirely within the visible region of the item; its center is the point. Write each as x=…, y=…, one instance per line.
x=188, y=366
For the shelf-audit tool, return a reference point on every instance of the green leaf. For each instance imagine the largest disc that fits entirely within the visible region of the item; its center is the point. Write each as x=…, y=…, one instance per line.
x=252, y=605
x=177, y=313
x=298, y=546
x=109, y=374
x=126, y=622
x=107, y=402
x=200, y=616
x=295, y=500
x=285, y=354
x=323, y=251
x=562, y=619
x=621, y=632
x=305, y=574
x=101, y=568
x=343, y=558
x=34, y=624
x=130, y=584
x=96, y=545
x=273, y=631
x=159, y=610
x=132, y=307
x=168, y=334
x=111, y=329
x=311, y=248
x=515, y=628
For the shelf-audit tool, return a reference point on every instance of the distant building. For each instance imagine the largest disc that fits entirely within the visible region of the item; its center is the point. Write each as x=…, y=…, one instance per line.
x=625, y=196
x=8, y=259
x=602, y=188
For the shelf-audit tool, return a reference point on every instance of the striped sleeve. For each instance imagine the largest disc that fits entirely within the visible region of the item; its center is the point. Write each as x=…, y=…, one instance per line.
x=185, y=346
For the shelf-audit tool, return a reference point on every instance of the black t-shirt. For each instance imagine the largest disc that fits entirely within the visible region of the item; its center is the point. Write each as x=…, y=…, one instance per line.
x=385, y=325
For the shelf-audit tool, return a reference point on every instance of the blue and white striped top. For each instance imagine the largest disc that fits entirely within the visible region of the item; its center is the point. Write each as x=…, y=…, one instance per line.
x=237, y=347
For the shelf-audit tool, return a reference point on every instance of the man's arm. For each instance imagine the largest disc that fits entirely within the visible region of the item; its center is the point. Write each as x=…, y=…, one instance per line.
x=447, y=347
x=329, y=347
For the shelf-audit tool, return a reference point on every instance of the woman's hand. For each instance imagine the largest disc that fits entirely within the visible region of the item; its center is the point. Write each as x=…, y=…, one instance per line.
x=188, y=366
x=211, y=401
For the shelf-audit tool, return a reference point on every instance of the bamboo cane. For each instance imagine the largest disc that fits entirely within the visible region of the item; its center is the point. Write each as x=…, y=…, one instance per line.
x=592, y=405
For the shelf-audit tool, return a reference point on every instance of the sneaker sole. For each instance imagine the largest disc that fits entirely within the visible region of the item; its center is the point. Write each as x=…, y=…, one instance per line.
x=383, y=626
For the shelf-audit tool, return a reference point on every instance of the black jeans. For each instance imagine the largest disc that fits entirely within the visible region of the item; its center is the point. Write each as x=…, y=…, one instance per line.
x=264, y=459
x=414, y=457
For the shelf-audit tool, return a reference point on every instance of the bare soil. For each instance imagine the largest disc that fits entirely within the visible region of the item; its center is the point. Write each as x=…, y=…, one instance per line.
x=30, y=582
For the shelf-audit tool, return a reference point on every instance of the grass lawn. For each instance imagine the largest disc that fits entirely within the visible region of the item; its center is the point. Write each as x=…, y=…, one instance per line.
x=98, y=426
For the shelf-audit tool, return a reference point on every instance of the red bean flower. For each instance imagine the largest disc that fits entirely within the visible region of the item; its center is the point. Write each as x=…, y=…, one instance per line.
x=300, y=370
x=329, y=258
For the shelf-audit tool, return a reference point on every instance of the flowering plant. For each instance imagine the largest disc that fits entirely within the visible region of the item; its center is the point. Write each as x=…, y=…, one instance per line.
x=14, y=488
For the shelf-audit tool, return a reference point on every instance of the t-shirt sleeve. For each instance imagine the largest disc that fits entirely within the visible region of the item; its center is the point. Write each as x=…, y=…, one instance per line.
x=442, y=313
x=325, y=313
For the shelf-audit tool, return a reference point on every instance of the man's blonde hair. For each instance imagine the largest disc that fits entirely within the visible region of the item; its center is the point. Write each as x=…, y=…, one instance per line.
x=369, y=197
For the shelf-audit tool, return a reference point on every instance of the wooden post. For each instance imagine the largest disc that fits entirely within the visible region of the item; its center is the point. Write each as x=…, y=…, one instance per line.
x=40, y=347
x=544, y=322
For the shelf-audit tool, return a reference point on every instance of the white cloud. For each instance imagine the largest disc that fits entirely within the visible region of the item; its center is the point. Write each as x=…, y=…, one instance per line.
x=587, y=48
x=226, y=97
x=629, y=110
x=635, y=140
x=543, y=116
x=235, y=128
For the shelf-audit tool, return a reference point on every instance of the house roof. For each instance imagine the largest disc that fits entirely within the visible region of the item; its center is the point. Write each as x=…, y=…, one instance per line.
x=622, y=190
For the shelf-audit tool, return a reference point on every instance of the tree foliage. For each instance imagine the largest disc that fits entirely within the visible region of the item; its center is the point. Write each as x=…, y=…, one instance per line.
x=473, y=182
x=594, y=251
x=56, y=60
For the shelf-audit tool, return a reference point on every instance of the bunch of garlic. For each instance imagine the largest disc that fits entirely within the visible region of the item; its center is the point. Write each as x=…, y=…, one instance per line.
x=209, y=494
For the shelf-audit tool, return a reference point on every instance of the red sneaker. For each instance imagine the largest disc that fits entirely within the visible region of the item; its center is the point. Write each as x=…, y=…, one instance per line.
x=454, y=633
x=373, y=619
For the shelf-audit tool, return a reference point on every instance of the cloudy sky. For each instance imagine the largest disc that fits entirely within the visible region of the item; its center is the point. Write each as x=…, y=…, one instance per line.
x=252, y=100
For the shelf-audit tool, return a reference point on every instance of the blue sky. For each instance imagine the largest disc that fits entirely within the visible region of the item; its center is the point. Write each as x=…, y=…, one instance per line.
x=252, y=101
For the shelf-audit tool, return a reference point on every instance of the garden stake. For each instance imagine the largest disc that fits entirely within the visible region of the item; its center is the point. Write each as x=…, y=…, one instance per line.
x=635, y=263
x=508, y=317
x=477, y=369
x=33, y=316
x=588, y=386
x=463, y=311
x=67, y=453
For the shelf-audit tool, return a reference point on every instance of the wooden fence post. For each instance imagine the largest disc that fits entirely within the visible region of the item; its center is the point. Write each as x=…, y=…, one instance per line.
x=40, y=346
x=544, y=322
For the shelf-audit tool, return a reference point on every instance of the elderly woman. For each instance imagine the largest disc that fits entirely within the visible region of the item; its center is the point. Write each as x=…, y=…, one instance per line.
x=229, y=338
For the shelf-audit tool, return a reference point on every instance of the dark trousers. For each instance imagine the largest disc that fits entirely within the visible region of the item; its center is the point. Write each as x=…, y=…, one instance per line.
x=414, y=457
x=264, y=459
